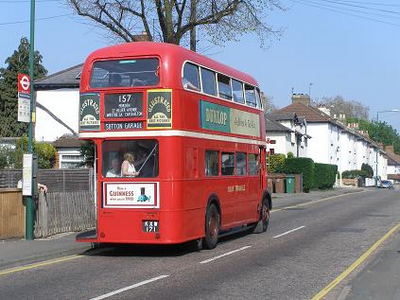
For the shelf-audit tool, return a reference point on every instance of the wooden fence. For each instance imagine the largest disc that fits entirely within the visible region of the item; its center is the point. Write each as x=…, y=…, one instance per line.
x=64, y=212
x=12, y=214
x=56, y=180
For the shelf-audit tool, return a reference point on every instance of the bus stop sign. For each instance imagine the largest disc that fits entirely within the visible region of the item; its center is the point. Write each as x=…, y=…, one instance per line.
x=24, y=83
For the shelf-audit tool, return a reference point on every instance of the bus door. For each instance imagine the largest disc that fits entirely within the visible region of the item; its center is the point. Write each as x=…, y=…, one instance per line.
x=262, y=167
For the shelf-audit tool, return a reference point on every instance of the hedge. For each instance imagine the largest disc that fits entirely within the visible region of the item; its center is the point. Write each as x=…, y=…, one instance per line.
x=325, y=176
x=301, y=165
x=354, y=174
x=275, y=163
x=367, y=168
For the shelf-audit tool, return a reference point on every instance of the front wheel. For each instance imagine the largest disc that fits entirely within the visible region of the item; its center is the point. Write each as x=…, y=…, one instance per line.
x=213, y=221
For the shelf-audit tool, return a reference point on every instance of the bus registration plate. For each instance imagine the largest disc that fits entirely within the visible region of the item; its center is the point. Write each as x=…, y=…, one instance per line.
x=150, y=226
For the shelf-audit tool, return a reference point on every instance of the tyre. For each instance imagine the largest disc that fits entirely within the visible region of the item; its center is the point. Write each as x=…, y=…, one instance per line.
x=265, y=215
x=212, y=226
x=262, y=225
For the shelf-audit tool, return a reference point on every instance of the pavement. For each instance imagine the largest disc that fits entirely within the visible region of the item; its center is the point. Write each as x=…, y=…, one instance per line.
x=14, y=253
x=385, y=265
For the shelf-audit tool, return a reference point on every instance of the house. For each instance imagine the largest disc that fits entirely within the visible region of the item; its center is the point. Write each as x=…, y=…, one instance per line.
x=287, y=133
x=334, y=143
x=57, y=104
x=68, y=153
x=393, y=169
x=279, y=137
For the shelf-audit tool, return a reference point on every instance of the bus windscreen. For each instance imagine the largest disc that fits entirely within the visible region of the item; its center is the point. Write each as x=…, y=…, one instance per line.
x=125, y=73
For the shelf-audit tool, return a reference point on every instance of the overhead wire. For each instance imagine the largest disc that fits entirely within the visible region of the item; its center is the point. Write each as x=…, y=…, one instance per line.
x=37, y=19
x=341, y=11
x=361, y=6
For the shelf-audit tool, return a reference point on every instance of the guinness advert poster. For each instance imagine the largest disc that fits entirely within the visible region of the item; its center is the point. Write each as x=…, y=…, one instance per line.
x=159, y=109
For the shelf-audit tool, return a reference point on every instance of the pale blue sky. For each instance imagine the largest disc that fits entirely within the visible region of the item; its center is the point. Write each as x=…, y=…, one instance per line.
x=340, y=54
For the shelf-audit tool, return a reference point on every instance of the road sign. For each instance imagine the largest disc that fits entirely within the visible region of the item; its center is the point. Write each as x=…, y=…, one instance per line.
x=24, y=107
x=24, y=83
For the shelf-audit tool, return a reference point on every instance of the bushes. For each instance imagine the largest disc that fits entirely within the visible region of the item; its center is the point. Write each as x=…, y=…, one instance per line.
x=354, y=174
x=367, y=168
x=325, y=176
x=301, y=165
x=276, y=162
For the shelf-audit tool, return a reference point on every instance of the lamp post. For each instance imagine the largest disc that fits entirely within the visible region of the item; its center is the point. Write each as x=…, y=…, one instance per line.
x=377, y=133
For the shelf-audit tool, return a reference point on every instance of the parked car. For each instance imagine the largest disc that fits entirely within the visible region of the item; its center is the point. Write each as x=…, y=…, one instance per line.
x=386, y=184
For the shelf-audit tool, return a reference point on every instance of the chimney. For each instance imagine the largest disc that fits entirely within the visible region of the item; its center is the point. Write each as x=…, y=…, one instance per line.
x=325, y=110
x=301, y=98
x=141, y=37
x=389, y=149
x=380, y=145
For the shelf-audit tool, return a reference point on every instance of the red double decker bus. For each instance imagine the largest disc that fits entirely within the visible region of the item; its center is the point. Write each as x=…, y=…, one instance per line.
x=180, y=146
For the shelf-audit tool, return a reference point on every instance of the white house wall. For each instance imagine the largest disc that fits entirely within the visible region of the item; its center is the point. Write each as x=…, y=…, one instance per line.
x=62, y=103
x=318, y=145
x=281, y=145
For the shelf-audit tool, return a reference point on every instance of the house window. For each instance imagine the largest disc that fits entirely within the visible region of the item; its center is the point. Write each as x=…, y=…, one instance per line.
x=272, y=142
x=71, y=160
x=271, y=151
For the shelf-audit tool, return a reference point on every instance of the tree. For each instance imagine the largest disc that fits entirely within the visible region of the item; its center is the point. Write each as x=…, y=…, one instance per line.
x=340, y=106
x=171, y=21
x=46, y=154
x=18, y=62
x=87, y=151
x=380, y=132
x=267, y=103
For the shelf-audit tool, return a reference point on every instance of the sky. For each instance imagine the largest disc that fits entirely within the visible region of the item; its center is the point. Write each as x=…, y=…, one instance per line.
x=327, y=48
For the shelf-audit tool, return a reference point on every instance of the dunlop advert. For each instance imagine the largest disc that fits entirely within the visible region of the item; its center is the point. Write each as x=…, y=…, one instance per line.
x=89, y=112
x=159, y=109
x=224, y=119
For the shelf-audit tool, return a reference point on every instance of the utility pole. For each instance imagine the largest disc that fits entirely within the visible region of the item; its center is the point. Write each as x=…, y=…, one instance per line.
x=30, y=212
x=193, y=18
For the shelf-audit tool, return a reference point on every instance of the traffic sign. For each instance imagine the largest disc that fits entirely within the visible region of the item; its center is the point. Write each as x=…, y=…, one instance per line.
x=24, y=83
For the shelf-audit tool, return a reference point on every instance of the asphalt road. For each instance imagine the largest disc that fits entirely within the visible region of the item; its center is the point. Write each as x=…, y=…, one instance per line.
x=306, y=247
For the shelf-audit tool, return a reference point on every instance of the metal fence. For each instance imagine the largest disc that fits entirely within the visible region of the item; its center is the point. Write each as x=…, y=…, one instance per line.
x=64, y=212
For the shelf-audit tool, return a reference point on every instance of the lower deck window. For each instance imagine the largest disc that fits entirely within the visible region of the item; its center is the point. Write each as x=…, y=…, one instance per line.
x=253, y=163
x=227, y=163
x=140, y=155
x=212, y=163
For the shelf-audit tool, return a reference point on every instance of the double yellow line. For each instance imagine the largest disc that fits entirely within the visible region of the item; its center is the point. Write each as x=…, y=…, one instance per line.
x=41, y=264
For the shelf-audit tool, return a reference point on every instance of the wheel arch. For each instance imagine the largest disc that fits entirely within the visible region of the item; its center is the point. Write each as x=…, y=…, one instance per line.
x=214, y=199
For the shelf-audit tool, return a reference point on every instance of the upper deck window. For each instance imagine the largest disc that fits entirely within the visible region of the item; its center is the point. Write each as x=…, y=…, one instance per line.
x=237, y=91
x=224, y=86
x=125, y=73
x=190, y=78
x=208, y=81
x=250, y=95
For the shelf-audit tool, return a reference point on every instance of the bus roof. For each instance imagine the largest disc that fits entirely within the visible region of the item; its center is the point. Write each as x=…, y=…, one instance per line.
x=174, y=53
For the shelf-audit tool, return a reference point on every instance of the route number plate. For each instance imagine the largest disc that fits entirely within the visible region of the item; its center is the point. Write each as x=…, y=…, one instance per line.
x=150, y=226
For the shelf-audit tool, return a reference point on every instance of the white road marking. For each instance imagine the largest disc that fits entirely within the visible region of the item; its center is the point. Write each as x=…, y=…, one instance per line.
x=129, y=287
x=225, y=254
x=287, y=232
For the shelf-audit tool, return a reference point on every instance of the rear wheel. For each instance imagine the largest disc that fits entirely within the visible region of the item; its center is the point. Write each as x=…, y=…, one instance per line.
x=265, y=215
x=262, y=225
x=213, y=221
